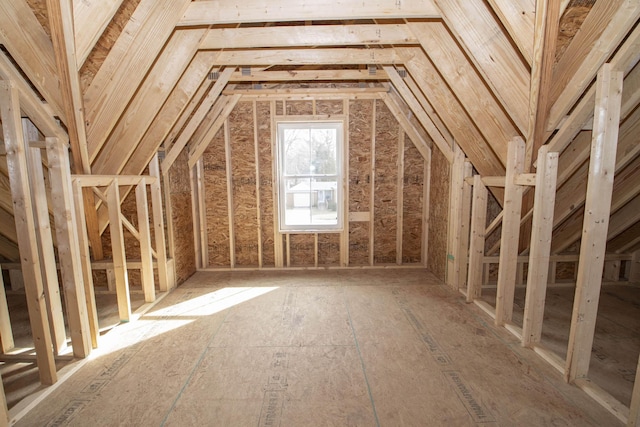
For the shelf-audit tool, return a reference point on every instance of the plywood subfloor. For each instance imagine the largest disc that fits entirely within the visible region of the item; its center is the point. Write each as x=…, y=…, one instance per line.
x=343, y=348
x=616, y=343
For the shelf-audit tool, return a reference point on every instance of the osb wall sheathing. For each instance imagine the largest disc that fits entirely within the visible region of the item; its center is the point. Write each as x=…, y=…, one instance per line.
x=329, y=107
x=412, y=201
x=243, y=173
x=302, y=250
x=360, y=128
x=180, y=190
x=215, y=186
x=265, y=161
x=328, y=249
x=439, y=214
x=385, y=196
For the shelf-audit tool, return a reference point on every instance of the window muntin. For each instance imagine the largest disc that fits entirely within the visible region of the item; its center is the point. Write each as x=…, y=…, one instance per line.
x=310, y=176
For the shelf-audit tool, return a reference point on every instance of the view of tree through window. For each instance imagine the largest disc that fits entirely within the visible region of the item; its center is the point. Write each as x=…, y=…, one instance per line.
x=309, y=173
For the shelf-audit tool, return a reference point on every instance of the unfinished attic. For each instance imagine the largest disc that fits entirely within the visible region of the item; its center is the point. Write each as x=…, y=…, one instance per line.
x=292, y=213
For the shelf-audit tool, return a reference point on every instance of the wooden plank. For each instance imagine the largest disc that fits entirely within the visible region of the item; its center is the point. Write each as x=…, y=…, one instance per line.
x=146, y=271
x=250, y=57
x=31, y=48
x=602, y=31
x=547, y=21
x=259, y=75
x=428, y=108
x=477, y=239
x=477, y=99
x=510, y=234
x=400, y=196
x=344, y=235
x=473, y=24
x=196, y=152
x=146, y=103
x=454, y=233
x=465, y=207
x=256, y=145
x=540, y=248
x=6, y=332
x=197, y=118
x=307, y=35
x=227, y=153
x=594, y=236
x=4, y=411
x=69, y=253
x=202, y=212
x=518, y=18
x=165, y=282
x=195, y=215
x=118, y=252
x=85, y=261
x=90, y=18
x=415, y=106
x=45, y=243
x=372, y=188
x=25, y=226
x=210, y=12
x=277, y=237
x=120, y=75
x=106, y=180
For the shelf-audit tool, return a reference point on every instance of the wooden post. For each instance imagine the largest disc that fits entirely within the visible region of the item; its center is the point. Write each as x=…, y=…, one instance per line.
x=344, y=236
x=146, y=269
x=372, y=187
x=4, y=411
x=164, y=281
x=596, y=221
x=68, y=246
x=227, y=157
x=202, y=213
x=45, y=240
x=634, y=407
x=455, y=218
x=25, y=228
x=426, y=188
x=256, y=145
x=6, y=333
x=540, y=247
x=510, y=233
x=85, y=261
x=476, y=244
x=118, y=252
x=400, y=197
x=278, y=250
x=195, y=214
x=465, y=224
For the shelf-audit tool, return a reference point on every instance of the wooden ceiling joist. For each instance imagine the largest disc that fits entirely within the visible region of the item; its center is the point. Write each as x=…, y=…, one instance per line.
x=126, y=66
x=309, y=35
x=517, y=17
x=307, y=56
x=419, y=141
x=91, y=17
x=31, y=48
x=473, y=24
x=428, y=108
x=211, y=12
x=307, y=75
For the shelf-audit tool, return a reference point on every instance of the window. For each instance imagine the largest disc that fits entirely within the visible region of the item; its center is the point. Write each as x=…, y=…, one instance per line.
x=310, y=176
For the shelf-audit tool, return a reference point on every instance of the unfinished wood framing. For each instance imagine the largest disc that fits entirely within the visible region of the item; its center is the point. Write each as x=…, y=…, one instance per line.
x=6, y=332
x=118, y=252
x=477, y=239
x=594, y=235
x=165, y=282
x=400, y=197
x=454, y=256
x=540, y=247
x=146, y=257
x=25, y=227
x=510, y=233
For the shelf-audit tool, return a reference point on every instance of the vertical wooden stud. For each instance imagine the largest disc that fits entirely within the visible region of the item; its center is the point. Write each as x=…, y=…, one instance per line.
x=463, y=250
x=344, y=236
x=315, y=247
x=6, y=333
x=4, y=411
x=278, y=250
x=400, y=197
x=477, y=238
x=111, y=279
x=118, y=252
x=25, y=228
x=85, y=261
x=202, y=213
x=540, y=247
x=195, y=214
x=510, y=233
x=455, y=218
x=597, y=209
x=68, y=246
x=146, y=269
x=426, y=208
x=256, y=143
x=372, y=188
x=288, y=248
x=164, y=282
x=232, y=236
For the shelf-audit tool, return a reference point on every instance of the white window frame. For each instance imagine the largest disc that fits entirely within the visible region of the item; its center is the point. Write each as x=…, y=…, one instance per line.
x=339, y=125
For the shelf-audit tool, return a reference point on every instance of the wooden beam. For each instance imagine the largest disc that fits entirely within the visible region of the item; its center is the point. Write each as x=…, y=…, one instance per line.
x=392, y=103
x=605, y=27
x=540, y=248
x=210, y=12
x=278, y=250
x=473, y=24
x=106, y=180
x=428, y=108
x=319, y=56
x=118, y=252
x=4, y=411
x=454, y=66
x=197, y=151
x=197, y=118
x=518, y=18
x=306, y=75
x=6, y=332
x=422, y=116
x=510, y=234
x=454, y=233
x=344, y=235
x=124, y=69
x=165, y=282
x=477, y=239
x=146, y=257
x=400, y=196
x=465, y=225
x=91, y=17
x=594, y=237
x=69, y=253
x=227, y=157
x=25, y=226
x=547, y=21
x=31, y=48
x=202, y=212
x=256, y=159
x=372, y=186
x=426, y=195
